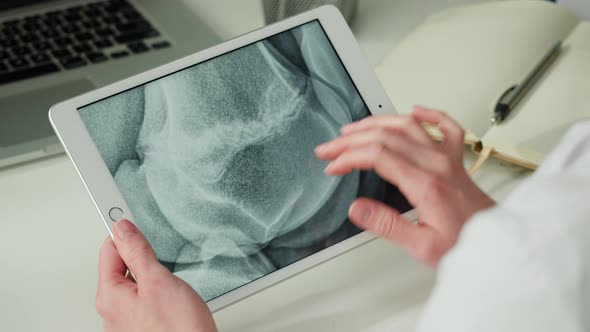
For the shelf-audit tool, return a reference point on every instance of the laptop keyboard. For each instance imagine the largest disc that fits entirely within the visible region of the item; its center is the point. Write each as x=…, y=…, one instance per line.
x=73, y=37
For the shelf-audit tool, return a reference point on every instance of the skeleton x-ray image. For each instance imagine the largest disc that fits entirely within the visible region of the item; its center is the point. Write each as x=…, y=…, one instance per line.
x=217, y=164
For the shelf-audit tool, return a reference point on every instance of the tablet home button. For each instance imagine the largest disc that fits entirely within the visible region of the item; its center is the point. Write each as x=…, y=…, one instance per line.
x=116, y=214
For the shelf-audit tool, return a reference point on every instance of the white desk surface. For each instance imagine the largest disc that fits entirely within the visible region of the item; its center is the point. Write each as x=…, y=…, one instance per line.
x=50, y=232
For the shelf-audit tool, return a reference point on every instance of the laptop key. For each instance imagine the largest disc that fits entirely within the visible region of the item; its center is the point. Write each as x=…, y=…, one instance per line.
x=161, y=44
x=105, y=32
x=134, y=36
x=120, y=54
x=108, y=20
x=132, y=15
x=138, y=47
x=50, y=33
x=41, y=46
x=12, y=22
x=29, y=38
x=63, y=41
x=71, y=28
x=103, y=43
x=10, y=30
x=92, y=24
x=51, y=21
x=72, y=17
x=83, y=36
x=115, y=6
x=96, y=57
x=53, y=13
x=117, y=20
x=72, y=62
x=61, y=53
x=39, y=57
x=31, y=26
x=135, y=26
x=82, y=48
x=32, y=18
x=8, y=42
x=22, y=50
x=18, y=62
x=93, y=12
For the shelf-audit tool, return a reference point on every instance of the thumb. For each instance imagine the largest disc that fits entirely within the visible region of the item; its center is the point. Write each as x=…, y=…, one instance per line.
x=385, y=222
x=134, y=249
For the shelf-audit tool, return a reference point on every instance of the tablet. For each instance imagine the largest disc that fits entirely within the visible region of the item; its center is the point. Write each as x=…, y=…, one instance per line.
x=212, y=156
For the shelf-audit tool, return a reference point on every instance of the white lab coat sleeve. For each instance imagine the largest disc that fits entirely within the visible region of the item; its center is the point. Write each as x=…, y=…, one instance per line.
x=525, y=264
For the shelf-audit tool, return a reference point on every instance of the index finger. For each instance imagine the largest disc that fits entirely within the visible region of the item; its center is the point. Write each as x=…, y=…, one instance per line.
x=402, y=123
x=394, y=168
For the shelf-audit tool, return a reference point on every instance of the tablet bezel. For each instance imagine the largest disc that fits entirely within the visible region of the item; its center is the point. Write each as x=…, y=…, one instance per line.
x=101, y=186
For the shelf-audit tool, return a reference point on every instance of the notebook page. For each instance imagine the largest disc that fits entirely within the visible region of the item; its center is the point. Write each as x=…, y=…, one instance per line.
x=560, y=99
x=463, y=59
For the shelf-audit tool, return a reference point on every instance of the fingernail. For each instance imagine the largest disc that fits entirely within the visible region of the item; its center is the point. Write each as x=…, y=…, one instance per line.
x=360, y=213
x=320, y=148
x=125, y=229
x=329, y=168
x=418, y=107
x=347, y=127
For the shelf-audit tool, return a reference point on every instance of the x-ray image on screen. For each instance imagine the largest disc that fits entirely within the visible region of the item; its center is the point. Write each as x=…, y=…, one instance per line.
x=217, y=164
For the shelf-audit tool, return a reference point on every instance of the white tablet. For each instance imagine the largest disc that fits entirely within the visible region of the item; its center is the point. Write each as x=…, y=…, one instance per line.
x=212, y=156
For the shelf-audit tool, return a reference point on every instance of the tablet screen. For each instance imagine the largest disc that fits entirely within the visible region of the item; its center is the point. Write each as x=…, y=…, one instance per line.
x=216, y=161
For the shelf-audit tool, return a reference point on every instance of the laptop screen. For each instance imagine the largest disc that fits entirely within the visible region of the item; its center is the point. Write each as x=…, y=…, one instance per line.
x=10, y=4
x=216, y=161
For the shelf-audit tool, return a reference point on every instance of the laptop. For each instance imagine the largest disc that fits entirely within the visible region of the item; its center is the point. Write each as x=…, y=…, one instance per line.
x=52, y=50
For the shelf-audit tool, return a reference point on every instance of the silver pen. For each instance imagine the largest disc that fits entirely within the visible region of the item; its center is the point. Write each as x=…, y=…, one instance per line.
x=514, y=94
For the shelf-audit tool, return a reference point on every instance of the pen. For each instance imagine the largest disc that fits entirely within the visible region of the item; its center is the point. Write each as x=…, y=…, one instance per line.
x=514, y=94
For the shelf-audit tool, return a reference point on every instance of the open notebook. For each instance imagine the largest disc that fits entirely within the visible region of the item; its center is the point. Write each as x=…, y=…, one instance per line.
x=462, y=60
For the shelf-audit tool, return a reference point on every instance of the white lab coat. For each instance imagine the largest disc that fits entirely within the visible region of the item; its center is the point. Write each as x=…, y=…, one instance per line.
x=525, y=264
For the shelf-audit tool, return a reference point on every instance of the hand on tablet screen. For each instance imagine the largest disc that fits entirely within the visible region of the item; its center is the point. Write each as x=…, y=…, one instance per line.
x=430, y=174
x=159, y=301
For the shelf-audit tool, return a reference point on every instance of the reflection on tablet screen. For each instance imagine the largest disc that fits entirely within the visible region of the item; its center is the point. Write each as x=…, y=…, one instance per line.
x=216, y=161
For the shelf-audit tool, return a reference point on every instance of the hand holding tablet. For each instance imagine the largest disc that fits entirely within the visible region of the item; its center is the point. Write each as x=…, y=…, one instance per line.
x=159, y=301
